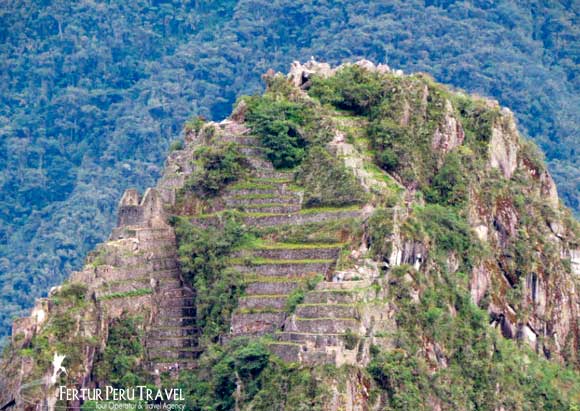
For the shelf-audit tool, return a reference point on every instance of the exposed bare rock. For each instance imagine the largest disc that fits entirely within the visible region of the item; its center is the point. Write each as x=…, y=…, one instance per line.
x=504, y=320
x=505, y=221
x=351, y=395
x=480, y=282
x=300, y=74
x=409, y=252
x=449, y=134
x=406, y=114
x=424, y=101
x=503, y=147
x=575, y=262
x=434, y=354
x=481, y=231
x=528, y=335
x=239, y=113
x=548, y=189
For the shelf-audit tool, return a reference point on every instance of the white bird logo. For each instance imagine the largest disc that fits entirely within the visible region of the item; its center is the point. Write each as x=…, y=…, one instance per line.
x=57, y=367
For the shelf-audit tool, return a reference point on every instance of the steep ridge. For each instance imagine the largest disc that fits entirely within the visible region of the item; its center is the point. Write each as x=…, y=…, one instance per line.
x=404, y=229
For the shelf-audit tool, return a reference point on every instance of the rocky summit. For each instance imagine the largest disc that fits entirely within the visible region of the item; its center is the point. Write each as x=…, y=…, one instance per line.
x=354, y=239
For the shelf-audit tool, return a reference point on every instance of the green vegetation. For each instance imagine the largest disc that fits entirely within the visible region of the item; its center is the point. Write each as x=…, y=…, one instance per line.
x=468, y=360
x=448, y=231
x=176, y=145
x=285, y=123
x=264, y=245
x=58, y=335
x=478, y=359
x=215, y=167
x=450, y=185
x=353, y=89
x=268, y=261
x=242, y=374
x=120, y=364
x=279, y=124
x=194, y=124
x=203, y=259
x=380, y=229
x=336, y=230
x=400, y=125
x=327, y=182
x=126, y=294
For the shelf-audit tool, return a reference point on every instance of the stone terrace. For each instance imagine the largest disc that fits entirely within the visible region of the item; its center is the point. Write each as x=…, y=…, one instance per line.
x=327, y=327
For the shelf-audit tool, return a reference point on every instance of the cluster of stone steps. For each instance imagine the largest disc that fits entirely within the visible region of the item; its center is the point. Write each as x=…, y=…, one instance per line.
x=172, y=340
x=139, y=268
x=327, y=327
x=324, y=325
x=271, y=274
x=269, y=197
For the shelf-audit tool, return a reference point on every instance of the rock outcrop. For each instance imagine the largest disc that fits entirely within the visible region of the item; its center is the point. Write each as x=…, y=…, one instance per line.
x=503, y=147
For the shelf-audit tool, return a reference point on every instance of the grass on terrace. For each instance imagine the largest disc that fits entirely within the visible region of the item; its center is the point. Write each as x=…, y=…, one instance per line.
x=270, y=261
x=262, y=244
x=306, y=211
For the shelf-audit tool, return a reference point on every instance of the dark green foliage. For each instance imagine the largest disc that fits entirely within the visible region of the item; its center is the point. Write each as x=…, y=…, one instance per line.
x=73, y=293
x=350, y=339
x=327, y=182
x=450, y=185
x=400, y=376
x=176, y=145
x=202, y=257
x=281, y=125
x=215, y=167
x=243, y=373
x=388, y=139
x=477, y=119
x=240, y=362
x=380, y=229
x=194, y=124
x=400, y=147
x=532, y=156
x=442, y=225
x=296, y=297
x=352, y=88
x=119, y=364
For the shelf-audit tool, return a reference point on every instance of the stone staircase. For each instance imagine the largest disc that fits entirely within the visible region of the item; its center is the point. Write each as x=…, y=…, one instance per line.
x=172, y=340
x=269, y=198
x=271, y=274
x=308, y=322
x=328, y=327
x=141, y=269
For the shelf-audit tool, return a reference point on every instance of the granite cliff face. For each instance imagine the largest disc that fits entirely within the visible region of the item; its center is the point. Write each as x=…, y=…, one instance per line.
x=411, y=211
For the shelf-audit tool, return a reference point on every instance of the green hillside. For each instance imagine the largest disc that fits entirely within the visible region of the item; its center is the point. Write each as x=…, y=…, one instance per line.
x=351, y=239
x=92, y=93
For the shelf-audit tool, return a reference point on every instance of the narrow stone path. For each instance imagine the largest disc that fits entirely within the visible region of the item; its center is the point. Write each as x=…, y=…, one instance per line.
x=171, y=339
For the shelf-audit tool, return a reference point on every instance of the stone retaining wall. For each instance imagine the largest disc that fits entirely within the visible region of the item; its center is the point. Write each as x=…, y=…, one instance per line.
x=278, y=270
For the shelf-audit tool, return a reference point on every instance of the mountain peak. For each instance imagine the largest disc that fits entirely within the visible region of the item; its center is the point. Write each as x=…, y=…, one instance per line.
x=348, y=216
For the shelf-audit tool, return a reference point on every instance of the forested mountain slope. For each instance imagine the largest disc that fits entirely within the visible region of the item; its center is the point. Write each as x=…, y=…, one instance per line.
x=93, y=92
x=354, y=239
